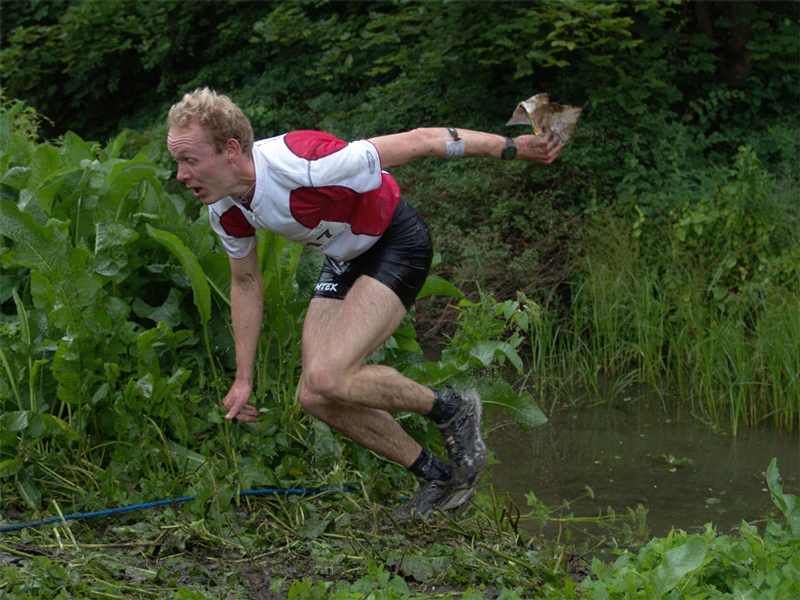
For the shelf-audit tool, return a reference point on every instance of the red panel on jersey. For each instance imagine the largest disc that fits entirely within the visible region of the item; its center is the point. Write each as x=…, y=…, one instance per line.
x=368, y=213
x=235, y=224
x=312, y=145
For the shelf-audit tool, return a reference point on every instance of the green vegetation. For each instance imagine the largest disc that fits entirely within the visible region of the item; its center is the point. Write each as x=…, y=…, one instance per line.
x=702, y=304
x=662, y=248
x=347, y=548
x=114, y=293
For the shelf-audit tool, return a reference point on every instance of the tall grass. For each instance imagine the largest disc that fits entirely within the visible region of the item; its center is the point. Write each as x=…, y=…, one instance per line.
x=700, y=299
x=638, y=319
x=777, y=359
x=728, y=369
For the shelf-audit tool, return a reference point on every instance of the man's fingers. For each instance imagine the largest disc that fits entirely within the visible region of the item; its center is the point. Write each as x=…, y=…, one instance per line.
x=246, y=418
x=235, y=409
x=246, y=413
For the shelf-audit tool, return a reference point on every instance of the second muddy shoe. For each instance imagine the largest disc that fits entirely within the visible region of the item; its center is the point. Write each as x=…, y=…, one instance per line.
x=462, y=436
x=433, y=495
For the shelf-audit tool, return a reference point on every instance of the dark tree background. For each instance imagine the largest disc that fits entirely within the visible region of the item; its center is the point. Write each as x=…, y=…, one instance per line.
x=666, y=87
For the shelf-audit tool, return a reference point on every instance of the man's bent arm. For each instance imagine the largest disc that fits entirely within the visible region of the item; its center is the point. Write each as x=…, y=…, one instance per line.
x=400, y=148
x=247, y=310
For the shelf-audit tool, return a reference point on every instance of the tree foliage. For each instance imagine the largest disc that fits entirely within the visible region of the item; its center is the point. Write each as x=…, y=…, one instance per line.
x=90, y=66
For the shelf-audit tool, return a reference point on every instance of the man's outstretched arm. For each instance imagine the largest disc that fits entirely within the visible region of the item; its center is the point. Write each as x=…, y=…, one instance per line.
x=399, y=148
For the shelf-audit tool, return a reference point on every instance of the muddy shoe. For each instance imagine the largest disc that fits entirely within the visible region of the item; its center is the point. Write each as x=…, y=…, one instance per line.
x=444, y=495
x=462, y=436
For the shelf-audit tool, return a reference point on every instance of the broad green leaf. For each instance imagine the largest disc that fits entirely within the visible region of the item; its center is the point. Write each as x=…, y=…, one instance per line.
x=73, y=297
x=109, y=234
x=437, y=286
x=486, y=350
x=419, y=567
x=37, y=427
x=114, y=147
x=46, y=161
x=398, y=585
x=787, y=503
x=521, y=407
x=46, y=193
x=326, y=449
x=9, y=468
x=307, y=274
x=678, y=563
x=5, y=119
x=145, y=386
x=37, y=248
x=186, y=458
x=169, y=312
x=16, y=177
x=28, y=491
x=200, y=288
x=146, y=343
x=37, y=424
x=123, y=177
x=77, y=150
x=15, y=420
x=431, y=374
x=68, y=371
x=217, y=268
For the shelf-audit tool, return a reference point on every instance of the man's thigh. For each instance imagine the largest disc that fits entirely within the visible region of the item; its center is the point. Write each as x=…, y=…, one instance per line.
x=345, y=332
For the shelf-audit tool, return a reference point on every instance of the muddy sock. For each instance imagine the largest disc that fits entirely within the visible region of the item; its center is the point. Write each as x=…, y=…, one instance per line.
x=445, y=405
x=428, y=467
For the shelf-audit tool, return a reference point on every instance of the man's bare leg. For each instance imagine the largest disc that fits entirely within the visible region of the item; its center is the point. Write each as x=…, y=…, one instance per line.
x=340, y=390
x=353, y=398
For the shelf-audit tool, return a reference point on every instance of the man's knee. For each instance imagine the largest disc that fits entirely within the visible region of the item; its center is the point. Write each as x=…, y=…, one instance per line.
x=321, y=385
x=310, y=402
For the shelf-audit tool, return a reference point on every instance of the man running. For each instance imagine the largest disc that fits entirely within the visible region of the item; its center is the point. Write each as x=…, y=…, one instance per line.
x=336, y=198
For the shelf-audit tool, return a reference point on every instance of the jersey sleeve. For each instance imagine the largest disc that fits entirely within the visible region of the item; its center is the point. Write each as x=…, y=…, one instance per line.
x=237, y=235
x=333, y=162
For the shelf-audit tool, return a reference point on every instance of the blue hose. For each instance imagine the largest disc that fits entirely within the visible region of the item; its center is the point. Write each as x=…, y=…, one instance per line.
x=113, y=511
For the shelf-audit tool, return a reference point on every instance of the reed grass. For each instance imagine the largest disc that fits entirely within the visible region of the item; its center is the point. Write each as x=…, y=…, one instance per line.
x=642, y=321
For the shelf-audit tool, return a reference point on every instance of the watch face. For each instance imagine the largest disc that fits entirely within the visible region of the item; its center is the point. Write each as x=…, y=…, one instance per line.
x=510, y=151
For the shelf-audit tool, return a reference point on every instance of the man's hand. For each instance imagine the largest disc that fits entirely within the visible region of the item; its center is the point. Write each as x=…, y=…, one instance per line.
x=236, y=403
x=538, y=148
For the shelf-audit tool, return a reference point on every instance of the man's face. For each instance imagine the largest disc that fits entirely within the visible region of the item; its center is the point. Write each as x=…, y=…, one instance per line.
x=204, y=171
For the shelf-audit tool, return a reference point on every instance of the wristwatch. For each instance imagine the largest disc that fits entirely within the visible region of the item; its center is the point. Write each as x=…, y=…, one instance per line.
x=510, y=151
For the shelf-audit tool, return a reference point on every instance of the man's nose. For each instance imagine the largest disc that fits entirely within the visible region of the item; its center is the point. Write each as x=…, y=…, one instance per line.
x=183, y=173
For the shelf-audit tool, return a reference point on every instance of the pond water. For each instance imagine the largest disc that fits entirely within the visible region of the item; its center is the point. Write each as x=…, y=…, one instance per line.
x=684, y=473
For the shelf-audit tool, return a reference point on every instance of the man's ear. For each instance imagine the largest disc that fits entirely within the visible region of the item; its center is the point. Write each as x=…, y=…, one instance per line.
x=232, y=149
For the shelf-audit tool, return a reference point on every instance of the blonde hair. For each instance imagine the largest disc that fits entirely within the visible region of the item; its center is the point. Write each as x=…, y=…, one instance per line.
x=216, y=114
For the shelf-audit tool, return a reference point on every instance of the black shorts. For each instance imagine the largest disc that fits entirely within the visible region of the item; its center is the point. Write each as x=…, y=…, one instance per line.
x=400, y=259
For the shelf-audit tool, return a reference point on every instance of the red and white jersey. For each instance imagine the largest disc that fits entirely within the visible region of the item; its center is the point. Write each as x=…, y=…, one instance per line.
x=314, y=189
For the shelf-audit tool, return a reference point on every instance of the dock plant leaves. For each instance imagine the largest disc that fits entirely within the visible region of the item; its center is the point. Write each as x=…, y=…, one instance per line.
x=787, y=503
x=200, y=287
x=677, y=564
x=521, y=406
x=41, y=249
